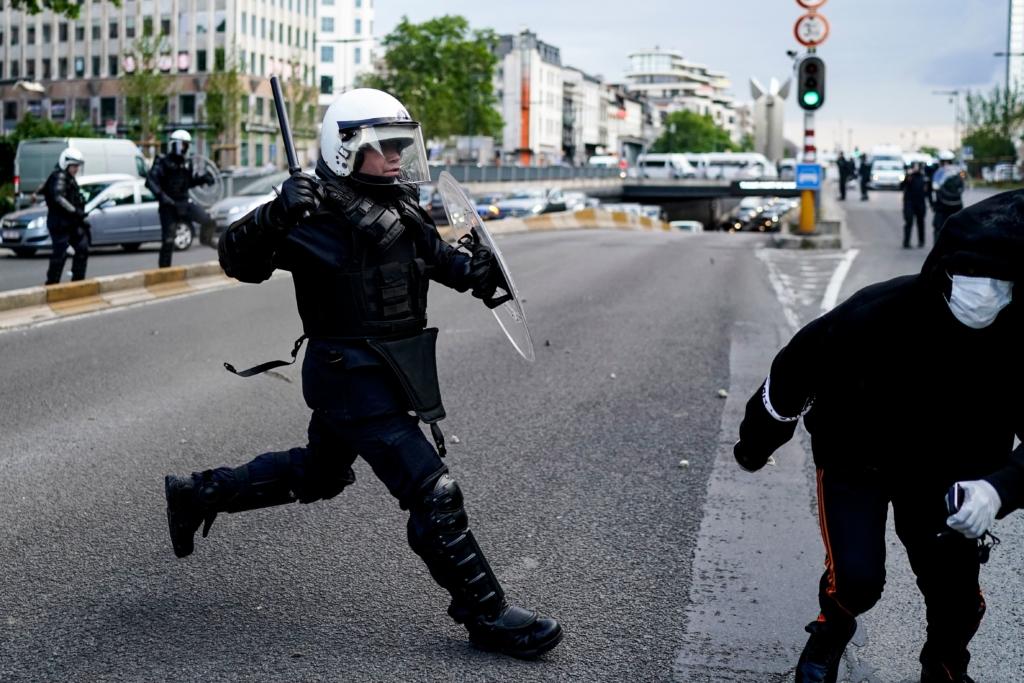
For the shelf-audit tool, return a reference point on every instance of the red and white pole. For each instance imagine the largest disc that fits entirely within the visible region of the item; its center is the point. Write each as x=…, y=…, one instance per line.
x=808, y=217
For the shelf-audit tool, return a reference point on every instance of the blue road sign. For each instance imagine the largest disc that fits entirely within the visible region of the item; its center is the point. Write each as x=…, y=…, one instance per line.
x=808, y=176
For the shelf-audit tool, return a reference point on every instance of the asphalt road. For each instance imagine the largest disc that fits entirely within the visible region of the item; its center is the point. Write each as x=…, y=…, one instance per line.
x=17, y=272
x=570, y=467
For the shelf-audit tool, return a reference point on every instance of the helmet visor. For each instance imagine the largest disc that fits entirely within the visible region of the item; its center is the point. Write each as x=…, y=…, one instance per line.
x=389, y=151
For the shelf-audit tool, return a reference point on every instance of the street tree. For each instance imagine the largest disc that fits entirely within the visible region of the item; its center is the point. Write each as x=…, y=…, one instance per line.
x=686, y=131
x=225, y=90
x=67, y=8
x=442, y=72
x=146, y=89
x=993, y=123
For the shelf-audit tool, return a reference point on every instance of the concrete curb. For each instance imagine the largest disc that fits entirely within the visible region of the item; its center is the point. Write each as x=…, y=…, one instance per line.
x=36, y=304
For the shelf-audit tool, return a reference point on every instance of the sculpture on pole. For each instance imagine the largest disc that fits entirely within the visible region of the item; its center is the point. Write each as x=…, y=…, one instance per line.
x=769, y=116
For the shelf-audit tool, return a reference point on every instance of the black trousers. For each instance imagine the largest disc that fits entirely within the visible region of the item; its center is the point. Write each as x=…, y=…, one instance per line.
x=170, y=217
x=910, y=213
x=863, y=188
x=852, y=510
x=942, y=212
x=79, y=240
x=843, y=180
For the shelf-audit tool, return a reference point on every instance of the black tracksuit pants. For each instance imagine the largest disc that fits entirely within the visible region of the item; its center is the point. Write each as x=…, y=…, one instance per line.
x=170, y=217
x=79, y=240
x=852, y=510
x=911, y=212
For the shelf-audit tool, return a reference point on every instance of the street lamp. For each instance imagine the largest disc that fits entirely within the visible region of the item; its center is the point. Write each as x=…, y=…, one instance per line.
x=954, y=99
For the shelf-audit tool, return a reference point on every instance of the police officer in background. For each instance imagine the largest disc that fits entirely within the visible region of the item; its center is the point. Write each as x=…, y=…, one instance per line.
x=844, y=166
x=865, y=177
x=170, y=180
x=884, y=430
x=947, y=191
x=362, y=252
x=915, y=203
x=66, y=217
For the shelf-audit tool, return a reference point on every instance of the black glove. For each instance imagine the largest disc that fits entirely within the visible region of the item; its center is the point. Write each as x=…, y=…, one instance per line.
x=484, y=272
x=748, y=461
x=182, y=208
x=299, y=194
x=207, y=178
x=80, y=214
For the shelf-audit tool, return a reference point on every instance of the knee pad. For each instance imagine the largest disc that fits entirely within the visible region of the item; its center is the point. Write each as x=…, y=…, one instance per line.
x=273, y=482
x=327, y=474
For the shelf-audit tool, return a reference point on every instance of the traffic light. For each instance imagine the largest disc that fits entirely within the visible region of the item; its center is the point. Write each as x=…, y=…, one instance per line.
x=811, y=83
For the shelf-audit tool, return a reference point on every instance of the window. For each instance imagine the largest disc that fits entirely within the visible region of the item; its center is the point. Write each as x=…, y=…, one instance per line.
x=95, y=67
x=184, y=25
x=359, y=3
x=200, y=60
x=327, y=24
x=145, y=193
x=289, y=35
x=358, y=55
x=80, y=69
x=129, y=27
x=113, y=29
x=245, y=23
x=147, y=26
x=245, y=152
x=187, y=108
x=112, y=65
x=220, y=21
x=245, y=104
x=30, y=34
x=62, y=67
x=1, y=69
x=123, y=195
x=108, y=109
x=280, y=33
x=82, y=108
x=14, y=38
x=97, y=30
x=327, y=53
x=359, y=27
x=259, y=153
x=289, y=5
x=306, y=43
x=241, y=61
x=327, y=3
x=1, y=40
x=59, y=108
x=271, y=29
x=30, y=69
x=219, y=59
x=47, y=34
x=263, y=27
x=259, y=107
x=326, y=85
x=252, y=63
x=253, y=26
x=15, y=69
x=165, y=25
x=202, y=22
x=47, y=69
x=263, y=65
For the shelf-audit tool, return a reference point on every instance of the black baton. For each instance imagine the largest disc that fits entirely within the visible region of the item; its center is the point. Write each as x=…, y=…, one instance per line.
x=286, y=129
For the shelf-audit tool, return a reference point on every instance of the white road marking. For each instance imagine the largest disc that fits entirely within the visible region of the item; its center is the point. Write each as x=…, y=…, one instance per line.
x=836, y=283
x=782, y=293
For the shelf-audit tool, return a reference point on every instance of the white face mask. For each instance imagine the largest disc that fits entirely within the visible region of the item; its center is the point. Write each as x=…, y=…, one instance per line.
x=976, y=301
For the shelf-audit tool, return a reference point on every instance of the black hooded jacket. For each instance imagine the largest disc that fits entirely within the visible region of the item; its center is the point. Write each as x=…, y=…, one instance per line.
x=891, y=380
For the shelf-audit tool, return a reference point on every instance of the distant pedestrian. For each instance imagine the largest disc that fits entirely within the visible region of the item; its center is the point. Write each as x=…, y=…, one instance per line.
x=66, y=217
x=865, y=177
x=844, y=165
x=948, y=190
x=887, y=431
x=170, y=180
x=915, y=203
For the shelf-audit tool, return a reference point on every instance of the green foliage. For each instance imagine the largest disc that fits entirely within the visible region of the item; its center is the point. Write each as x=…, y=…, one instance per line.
x=932, y=151
x=441, y=70
x=67, y=8
x=146, y=90
x=993, y=123
x=6, y=198
x=30, y=128
x=686, y=131
x=224, y=93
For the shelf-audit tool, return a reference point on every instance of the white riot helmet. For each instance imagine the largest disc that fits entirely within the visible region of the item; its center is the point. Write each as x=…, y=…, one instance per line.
x=70, y=157
x=946, y=155
x=366, y=122
x=180, y=141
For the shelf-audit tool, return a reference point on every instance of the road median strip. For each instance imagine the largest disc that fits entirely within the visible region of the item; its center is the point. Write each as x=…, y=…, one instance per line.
x=21, y=307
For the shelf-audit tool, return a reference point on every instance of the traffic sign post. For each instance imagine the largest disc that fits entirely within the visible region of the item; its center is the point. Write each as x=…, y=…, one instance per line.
x=811, y=30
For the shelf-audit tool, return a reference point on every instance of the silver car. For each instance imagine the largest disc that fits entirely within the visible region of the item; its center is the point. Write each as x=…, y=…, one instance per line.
x=122, y=211
x=228, y=210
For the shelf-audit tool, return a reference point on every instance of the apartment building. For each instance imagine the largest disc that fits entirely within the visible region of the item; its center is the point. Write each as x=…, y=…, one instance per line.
x=344, y=45
x=74, y=67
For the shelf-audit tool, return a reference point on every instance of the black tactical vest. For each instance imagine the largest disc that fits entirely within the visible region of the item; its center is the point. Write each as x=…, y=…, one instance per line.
x=177, y=176
x=380, y=289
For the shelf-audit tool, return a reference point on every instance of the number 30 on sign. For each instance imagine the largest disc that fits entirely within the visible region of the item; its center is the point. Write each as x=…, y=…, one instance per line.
x=811, y=29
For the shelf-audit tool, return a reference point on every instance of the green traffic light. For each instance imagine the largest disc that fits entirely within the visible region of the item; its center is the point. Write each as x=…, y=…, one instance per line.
x=811, y=98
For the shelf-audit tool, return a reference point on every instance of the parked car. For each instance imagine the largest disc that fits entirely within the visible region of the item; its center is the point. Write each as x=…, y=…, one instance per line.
x=577, y=201
x=787, y=169
x=887, y=174
x=1005, y=173
x=121, y=211
x=486, y=205
x=531, y=201
x=35, y=160
x=668, y=166
x=230, y=209
x=687, y=226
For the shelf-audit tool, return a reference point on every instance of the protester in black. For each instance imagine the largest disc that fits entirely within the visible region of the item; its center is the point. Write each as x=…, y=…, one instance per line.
x=843, y=165
x=65, y=218
x=887, y=431
x=865, y=177
x=915, y=203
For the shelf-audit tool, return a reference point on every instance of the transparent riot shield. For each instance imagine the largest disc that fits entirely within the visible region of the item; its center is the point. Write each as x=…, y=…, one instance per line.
x=206, y=195
x=466, y=224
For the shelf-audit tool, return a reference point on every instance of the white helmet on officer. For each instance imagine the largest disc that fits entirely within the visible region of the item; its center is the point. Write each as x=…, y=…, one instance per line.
x=946, y=155
x=368, y=132
x=70, y=157
x=180, y=141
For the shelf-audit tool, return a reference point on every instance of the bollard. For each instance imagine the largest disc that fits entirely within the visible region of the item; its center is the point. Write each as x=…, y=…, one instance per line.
x=807, y=212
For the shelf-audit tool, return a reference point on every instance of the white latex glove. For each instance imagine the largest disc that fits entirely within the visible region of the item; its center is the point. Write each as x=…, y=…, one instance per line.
x=981, y=503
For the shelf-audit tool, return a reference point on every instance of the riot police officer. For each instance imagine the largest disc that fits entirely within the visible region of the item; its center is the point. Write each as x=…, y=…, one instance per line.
x=948, y=186
x=887, y=431
x=915, y=195
x=66, y=217
x=170, y=180
x=362, y=254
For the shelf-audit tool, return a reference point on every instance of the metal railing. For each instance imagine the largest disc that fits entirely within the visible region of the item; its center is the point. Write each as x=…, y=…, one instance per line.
x=471, y=173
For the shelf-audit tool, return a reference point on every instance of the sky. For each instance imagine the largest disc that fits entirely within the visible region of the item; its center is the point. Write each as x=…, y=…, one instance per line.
x=884, y=58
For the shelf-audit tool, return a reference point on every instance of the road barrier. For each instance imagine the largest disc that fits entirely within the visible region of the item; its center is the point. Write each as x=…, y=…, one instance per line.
x=21, y=307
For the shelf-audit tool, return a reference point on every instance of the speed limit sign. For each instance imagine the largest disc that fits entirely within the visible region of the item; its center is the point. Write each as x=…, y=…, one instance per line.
x=811, y=4
x=811, y=29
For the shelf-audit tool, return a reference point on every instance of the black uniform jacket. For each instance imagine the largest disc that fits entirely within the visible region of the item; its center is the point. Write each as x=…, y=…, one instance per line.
x=342, y=377
x=916, y=189
x=63, y=201
x=891, y=380
x=171, y=177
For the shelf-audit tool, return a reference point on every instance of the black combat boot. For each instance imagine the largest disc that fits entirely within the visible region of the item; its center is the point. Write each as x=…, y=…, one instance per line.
x=190, y=502
x=439, y=533
x=819, y=662
x=943, y=675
